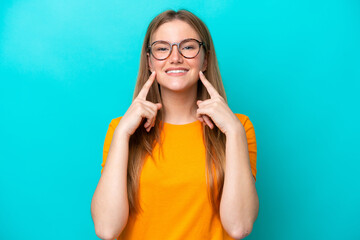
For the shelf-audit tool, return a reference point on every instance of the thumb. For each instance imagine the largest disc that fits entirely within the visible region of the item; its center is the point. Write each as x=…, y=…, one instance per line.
x=158, y=105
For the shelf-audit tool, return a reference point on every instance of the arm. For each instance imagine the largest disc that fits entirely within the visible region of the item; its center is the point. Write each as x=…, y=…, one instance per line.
x=109, y=206
x=239, y=204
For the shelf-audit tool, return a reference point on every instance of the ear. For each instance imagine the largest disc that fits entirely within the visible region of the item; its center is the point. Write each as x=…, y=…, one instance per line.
x=149, y=62
x=204, y=66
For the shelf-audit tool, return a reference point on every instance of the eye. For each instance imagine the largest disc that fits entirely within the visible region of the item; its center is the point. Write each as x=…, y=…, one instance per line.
x=161, y=49
x=188, y=47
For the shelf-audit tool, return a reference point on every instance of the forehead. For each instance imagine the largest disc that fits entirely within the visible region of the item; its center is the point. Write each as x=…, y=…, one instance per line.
x=174, y=31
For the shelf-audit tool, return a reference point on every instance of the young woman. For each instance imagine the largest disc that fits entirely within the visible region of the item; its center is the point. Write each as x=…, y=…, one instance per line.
x=179, y=163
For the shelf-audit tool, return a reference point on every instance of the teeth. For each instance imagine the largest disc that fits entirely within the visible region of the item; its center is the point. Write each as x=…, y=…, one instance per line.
x=176, y=71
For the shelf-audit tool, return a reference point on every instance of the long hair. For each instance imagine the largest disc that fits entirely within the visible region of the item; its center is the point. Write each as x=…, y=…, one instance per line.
x=142, y=143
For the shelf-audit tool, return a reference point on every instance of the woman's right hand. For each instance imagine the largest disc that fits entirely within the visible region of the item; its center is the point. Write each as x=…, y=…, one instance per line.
x=140, y=108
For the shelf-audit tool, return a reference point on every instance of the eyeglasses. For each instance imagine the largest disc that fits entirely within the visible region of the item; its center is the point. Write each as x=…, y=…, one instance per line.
x=188, y=48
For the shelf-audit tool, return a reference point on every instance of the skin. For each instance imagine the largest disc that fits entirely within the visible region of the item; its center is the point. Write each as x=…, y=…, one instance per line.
x=239, y=202
x=178, y=92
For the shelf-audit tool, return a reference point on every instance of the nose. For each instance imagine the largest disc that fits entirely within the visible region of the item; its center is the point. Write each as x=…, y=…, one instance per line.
x=175, y=56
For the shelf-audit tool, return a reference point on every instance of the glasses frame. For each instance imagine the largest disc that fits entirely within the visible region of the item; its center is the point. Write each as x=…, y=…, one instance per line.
x=171, y=48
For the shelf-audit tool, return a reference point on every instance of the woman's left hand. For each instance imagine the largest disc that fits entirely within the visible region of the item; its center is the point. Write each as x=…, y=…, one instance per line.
x=215, y=110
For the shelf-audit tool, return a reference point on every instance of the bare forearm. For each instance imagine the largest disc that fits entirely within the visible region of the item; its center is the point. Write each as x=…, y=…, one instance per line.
x=239, y=204
x=109, y=206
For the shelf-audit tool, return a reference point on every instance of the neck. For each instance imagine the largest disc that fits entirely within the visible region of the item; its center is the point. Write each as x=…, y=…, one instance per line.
x=179, y=107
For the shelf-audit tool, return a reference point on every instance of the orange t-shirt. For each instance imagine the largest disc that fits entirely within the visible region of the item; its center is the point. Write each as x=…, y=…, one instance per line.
x=173, y=191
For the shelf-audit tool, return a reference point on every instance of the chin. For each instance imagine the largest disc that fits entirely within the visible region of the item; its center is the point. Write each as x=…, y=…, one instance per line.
x=175, y=85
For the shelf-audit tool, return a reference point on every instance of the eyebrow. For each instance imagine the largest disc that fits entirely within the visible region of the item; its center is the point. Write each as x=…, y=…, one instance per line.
x=173, y=42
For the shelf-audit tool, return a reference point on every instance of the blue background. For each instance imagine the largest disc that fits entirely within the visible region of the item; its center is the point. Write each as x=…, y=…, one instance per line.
x=68, y=67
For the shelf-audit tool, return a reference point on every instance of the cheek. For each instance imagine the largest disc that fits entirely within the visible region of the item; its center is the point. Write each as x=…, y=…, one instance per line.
x=160, y=76
x=157, y=65
x=197, y=65
x=199, y=62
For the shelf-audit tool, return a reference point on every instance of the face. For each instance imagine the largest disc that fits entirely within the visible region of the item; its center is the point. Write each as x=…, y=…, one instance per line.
x=174, y=32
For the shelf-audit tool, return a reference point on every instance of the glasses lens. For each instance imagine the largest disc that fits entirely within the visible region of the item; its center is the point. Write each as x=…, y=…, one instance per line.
x=189, y=48
x=160, y=50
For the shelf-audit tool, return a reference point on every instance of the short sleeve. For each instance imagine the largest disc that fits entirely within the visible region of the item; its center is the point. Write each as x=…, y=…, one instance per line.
x=108, y=138
x=251, y=140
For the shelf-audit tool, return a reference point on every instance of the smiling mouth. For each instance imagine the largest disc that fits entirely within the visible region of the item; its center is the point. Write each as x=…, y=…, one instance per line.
x=176, y=71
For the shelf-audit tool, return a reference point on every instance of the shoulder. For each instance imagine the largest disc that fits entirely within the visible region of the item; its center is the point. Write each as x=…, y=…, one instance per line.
x=114, y=122
x=110, y=132
x=243, y=118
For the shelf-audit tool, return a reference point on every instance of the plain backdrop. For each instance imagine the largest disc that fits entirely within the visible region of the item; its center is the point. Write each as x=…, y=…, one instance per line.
x=68, y=67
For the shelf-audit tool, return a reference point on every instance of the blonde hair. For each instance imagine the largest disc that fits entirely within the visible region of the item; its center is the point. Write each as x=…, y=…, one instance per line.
x=142, y=143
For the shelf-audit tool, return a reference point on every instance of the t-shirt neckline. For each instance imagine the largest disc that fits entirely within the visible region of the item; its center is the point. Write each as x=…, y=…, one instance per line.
x=182, y=125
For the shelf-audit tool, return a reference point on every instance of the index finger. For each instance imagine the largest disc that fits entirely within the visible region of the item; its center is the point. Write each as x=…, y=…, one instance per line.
x=211, y=90
x=145, y=89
